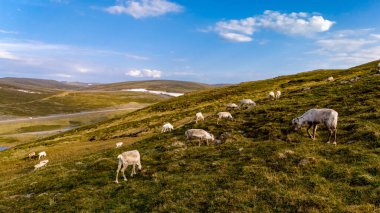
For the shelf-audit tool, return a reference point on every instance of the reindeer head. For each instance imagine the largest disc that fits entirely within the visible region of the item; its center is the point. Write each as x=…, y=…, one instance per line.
x=296, y=124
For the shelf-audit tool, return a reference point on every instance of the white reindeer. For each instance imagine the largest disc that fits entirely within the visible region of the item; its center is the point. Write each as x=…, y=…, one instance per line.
x=199, y=116
x=271, y=95
x=224, y=115
x=119, y=144
x=247, y=102
x=167, y=127
x=232, y=106
x=32, y=155
x=41, y=154
x=278, y=94
x=125, y=159
x=200, y=134
x=313, y=117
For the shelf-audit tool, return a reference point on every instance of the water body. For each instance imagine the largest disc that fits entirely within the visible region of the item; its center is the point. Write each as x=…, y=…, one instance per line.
x=173, y=94
x=2, y=148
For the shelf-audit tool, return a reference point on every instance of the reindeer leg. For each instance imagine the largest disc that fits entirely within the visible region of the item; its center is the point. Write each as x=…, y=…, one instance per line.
x=117, y=172
x=314, y=130
x=330, y=135
x=123, y=170
x=133, y=170
x=334, y=137
x=307, y=130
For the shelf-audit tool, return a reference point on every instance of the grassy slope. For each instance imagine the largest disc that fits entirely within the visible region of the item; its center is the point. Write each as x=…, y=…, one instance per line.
x=23, y=104
x=162, y=85
x=260, y=168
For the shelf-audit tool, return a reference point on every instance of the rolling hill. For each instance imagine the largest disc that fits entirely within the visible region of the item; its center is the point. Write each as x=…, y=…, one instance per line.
x=261, y=167
x=38, y=85
x=37, y=97
x=161, y=85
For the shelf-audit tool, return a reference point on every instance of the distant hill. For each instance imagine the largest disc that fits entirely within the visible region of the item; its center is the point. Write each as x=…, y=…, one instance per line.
x=258, y=164
x=38, y=84
x=37, y=97
x=32, y=97
x=161, y=85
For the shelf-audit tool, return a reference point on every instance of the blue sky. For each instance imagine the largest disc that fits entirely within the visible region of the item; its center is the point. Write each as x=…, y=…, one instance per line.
x=208, y=41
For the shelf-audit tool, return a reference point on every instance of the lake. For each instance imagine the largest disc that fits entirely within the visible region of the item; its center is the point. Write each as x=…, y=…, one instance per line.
x=4, y=148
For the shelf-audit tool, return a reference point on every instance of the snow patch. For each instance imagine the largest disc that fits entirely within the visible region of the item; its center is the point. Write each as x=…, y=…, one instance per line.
x=173, y=94
x=28, y=91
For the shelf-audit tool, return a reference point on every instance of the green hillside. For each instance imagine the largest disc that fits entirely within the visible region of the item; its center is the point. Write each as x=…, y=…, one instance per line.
x=261, y=167
x=161, y=85
x=38, y=84
x=16, y=103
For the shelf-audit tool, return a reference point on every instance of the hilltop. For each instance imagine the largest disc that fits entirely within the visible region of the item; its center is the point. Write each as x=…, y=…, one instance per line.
x=261, y=167
x=38, y=85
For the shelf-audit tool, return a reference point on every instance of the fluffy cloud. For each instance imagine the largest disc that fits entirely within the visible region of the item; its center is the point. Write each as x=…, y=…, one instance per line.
x=144, y=73
x=349, y=47
x=144, y=8
x=242, y=30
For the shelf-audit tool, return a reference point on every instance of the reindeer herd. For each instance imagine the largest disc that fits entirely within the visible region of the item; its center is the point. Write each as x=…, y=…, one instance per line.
x=312, y=118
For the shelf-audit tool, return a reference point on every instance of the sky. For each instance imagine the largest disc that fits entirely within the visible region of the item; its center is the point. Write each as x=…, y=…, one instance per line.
x=209, y=41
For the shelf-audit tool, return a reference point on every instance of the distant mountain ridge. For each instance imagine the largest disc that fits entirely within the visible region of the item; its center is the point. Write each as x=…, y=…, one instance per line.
x=38, y=84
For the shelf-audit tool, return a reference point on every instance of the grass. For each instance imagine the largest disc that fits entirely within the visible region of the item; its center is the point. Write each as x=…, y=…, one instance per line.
x=260, y=168
x=69, y=101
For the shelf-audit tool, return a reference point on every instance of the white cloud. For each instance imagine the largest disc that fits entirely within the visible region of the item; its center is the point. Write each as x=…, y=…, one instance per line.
x=235, y=37
x=40, y=60
x=349, y=47
x=144, y=8
x=82, y=69
x=376, y=36
x=294, y=23
x=62, y=75
x=302, y=24
x=144, y=73
x=7, y=55
x=7, y=32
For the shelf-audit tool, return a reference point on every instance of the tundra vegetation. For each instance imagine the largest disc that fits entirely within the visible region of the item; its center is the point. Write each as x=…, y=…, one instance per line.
x=260, y=167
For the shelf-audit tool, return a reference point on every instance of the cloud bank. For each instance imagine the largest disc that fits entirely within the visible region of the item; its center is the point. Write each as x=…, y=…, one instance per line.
x=144, y=8
x=301, y=24
x=147, y=73
x=349, y=47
